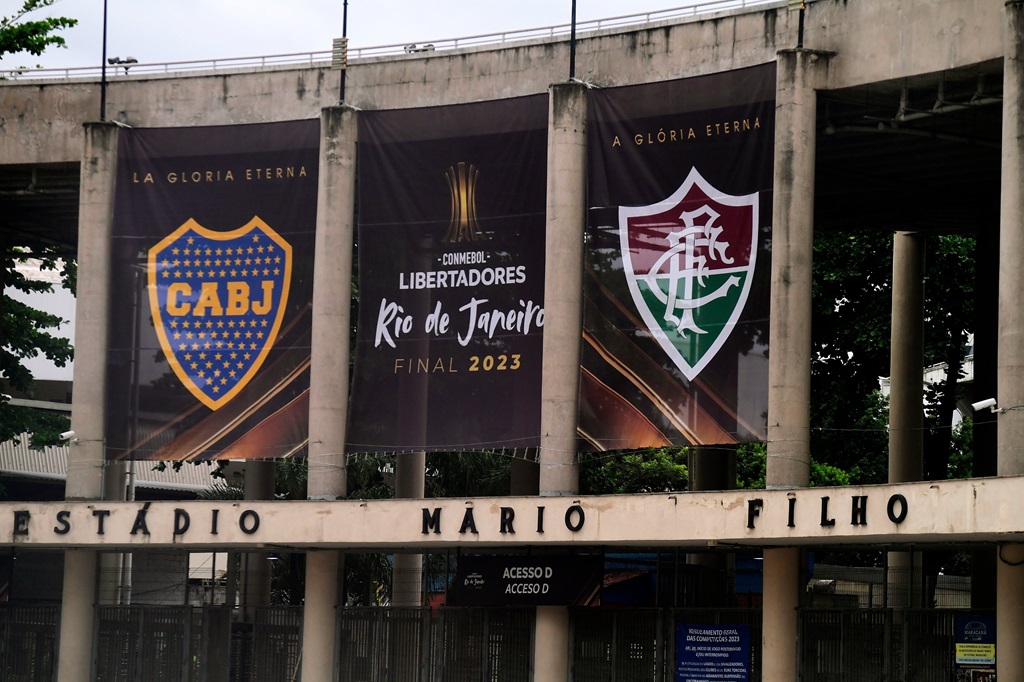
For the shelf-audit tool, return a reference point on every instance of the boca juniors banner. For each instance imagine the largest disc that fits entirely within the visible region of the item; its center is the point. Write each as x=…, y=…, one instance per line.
x=451, y=277
x=678, y=262
x=211, y=290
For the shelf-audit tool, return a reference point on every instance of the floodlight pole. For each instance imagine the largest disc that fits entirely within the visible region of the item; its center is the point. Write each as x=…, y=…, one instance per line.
x=572, y=43
x=344, y=34
x=103, y=68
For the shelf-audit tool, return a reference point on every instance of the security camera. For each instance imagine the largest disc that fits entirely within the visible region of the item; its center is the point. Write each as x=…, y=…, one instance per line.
x=990, y=403
x=67, y=435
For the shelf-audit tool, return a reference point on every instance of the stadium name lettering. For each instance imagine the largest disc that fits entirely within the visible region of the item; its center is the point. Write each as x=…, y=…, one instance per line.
x=896, y=510
x=574, y=519
x=248, y=522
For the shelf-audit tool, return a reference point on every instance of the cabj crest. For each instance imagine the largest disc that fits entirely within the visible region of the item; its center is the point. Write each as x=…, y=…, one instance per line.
x=217, y=300
x=689, y=262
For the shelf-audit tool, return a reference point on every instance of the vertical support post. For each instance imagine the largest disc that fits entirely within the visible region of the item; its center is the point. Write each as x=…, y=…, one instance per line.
x=563, y=286
x=800, y=73
x=88, y=415
x=407, y=569
x=906, y=396
x=259, y=485
x=563, y=315
x=328, y=384
x=1010, y=370
x=906, y=362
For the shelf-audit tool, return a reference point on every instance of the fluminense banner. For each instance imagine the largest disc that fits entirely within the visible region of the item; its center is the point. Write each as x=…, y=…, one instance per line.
x=678, y=262
x=451, y=277
x=211, y=290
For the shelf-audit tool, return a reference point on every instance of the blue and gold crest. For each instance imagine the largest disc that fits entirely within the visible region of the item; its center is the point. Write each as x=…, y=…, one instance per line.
x=217, y=300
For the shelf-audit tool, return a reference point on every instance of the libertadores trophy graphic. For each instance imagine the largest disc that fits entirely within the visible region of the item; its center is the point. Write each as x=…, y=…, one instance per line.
x=689, y=262
x=217, y=300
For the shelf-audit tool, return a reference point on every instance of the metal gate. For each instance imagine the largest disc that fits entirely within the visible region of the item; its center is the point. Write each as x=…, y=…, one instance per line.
x=634, y=645
x=28, y=642
x=892, y=645
x=196, y=644
x=379, y=644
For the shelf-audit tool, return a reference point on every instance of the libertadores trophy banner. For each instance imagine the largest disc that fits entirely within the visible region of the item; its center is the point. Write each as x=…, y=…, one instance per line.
x=678, y=262
x=211, y=291
x=451, y=277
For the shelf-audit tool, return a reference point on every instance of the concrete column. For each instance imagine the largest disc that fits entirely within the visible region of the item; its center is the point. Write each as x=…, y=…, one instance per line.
x=781, y=579
x=86, y=451
x=800, y=74
x=906, y=397
x=111, y=563
x=711, y=469
x=551, y=644
x=525, y=475
x=563, y=287
x=259, y=485
x=407, y=569
x=328, y=383
x=1010, y=362
x=563, y=327
x=906, y=348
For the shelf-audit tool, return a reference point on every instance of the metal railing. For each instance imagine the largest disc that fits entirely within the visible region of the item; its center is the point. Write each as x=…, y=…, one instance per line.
x=322, y=58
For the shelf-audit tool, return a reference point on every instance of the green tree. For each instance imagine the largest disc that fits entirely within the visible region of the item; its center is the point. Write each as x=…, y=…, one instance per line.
x=20, y=34
x=642, y=471
x=26, y=332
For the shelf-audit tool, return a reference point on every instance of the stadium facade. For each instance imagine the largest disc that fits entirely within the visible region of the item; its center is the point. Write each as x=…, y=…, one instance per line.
x=903, y=116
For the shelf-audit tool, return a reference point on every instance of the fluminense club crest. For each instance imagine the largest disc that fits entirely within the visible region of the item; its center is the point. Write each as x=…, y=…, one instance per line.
x=689, y=262
x=217, y=300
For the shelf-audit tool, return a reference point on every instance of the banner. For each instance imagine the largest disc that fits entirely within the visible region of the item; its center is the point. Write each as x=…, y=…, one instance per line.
x=451, y=277
x=541, y=580
x=211, y=290
x=678, y=262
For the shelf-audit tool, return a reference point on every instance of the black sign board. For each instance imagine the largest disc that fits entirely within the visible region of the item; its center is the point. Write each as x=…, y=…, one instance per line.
x=558, y=580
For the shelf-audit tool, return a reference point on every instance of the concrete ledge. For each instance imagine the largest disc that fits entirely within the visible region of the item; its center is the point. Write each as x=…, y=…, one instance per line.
x=981, y=510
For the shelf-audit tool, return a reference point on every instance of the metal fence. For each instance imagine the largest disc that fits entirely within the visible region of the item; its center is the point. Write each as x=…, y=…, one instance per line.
x=196, y=644
x=898, y=645
x=629, y=645
x=202, y=644
x=28, y=642
x=380, y=644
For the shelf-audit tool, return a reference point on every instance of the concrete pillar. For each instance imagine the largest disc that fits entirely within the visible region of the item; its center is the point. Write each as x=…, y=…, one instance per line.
x=563, y=328
x=711, y=469
x=563, y=287
x=329, y=380
x=86, y=451
x=407, y=569
x=800, y=73
x=525, y=475
x=259, y=485
x=906, y=397
x=551, y=644
x=1010, y=370
x=111, y=563
x=906, y=347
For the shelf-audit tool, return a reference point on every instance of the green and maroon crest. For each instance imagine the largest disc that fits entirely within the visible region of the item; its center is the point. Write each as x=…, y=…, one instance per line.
x=217, y=300
x=689, y=261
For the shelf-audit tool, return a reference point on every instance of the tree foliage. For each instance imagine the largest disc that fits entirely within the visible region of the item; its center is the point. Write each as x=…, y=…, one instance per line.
x=27, y=332
x=641, y=471
x=20, y=34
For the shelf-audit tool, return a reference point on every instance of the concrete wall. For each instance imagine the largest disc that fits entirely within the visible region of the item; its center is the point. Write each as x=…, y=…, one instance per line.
x=875, y=40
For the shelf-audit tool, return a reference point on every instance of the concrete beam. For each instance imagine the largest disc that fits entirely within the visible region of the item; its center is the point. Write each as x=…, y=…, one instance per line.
x=978, y=510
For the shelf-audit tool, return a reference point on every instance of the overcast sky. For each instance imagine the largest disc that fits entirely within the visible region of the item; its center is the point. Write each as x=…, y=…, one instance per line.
x=179, y=30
